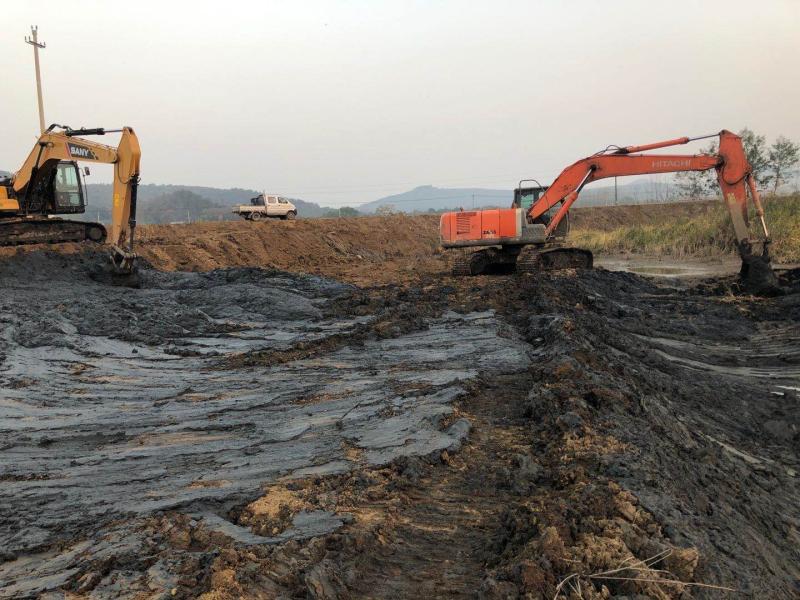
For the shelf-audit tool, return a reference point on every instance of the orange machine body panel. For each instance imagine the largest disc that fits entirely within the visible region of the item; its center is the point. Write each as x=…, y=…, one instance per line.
x=481, y=227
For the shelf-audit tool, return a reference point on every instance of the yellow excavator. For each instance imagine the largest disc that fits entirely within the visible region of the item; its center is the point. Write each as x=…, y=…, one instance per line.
x=49, y=183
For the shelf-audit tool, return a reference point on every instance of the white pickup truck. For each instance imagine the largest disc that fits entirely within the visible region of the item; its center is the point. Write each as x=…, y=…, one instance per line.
x=266, y=206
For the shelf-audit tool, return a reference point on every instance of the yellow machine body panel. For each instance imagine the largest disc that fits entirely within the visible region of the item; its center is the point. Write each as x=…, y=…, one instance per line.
x=7, y=204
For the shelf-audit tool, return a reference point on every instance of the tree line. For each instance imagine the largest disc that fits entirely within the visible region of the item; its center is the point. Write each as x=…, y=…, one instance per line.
x=772, y=166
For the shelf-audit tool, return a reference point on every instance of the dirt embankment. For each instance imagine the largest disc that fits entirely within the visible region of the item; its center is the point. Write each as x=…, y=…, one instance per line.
x=366, y=250
x=359, y=249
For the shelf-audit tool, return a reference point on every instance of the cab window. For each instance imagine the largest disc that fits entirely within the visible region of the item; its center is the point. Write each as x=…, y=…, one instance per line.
x=67, y=186
x=271, y=200
x=528, y=197
x=282, y=201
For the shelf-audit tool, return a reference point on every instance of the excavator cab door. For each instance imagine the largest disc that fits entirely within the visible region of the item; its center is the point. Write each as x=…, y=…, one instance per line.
x=56, y=189
x=68, y=195
x=524, y=197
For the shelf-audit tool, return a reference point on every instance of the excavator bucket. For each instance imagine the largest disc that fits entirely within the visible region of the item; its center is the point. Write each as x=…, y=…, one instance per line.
x=124, y=268
x=756, y=273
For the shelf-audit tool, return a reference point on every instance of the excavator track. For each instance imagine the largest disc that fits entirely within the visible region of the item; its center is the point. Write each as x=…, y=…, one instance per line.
x=462, y=265
x=535, y=260
x=19, y=231
x=484, y=261
x=529, y=259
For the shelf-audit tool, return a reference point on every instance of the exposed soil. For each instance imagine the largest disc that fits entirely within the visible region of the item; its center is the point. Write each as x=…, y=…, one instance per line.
x=256, y=433
x=363, y=250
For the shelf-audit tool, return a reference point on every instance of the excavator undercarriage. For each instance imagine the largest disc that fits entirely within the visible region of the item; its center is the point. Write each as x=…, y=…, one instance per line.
x=20, y=231
x=520, y=259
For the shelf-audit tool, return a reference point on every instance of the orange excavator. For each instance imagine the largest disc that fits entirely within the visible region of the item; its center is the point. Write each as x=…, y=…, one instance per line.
x=531, y=239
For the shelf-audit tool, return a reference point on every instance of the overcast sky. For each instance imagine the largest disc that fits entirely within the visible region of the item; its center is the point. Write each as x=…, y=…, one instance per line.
x=345, y=102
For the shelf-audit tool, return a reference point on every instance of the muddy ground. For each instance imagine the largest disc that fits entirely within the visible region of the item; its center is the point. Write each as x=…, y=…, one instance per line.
x=261, y=433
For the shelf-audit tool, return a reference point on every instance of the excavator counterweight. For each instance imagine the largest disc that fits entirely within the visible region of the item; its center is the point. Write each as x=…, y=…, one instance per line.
x=531, y=238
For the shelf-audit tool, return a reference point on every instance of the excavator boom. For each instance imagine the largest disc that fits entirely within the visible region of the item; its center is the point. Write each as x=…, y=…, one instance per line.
x=513, y=228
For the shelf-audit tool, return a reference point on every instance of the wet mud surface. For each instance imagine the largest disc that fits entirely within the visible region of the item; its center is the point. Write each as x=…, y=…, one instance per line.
x=117, y=403
x=261, y=434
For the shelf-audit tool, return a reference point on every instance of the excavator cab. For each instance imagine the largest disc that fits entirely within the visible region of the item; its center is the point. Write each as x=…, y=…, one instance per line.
x=525, y=197
x=56, y=189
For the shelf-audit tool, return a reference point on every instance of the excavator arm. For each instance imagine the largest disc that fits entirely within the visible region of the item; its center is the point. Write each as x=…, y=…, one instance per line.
x=733, y=174
x=66, y=145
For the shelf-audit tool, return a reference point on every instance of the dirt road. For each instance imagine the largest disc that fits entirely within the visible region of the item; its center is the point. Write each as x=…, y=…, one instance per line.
x=261, y=433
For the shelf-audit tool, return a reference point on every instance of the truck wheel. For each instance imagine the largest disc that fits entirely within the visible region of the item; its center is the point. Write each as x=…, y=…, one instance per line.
x=256, y=216
x=291, y=215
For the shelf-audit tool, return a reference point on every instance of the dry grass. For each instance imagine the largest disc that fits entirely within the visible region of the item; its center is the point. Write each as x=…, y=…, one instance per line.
x=704, y=235
x=642, y=572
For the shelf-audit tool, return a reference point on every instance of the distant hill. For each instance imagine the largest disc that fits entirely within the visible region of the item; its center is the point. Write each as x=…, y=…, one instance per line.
x=159, y=203
x=429, y=198
x=170, y=203
x=178, y=206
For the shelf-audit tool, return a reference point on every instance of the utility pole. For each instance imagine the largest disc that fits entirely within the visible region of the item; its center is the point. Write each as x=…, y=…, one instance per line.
x=615, y=191
x=34, y=41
